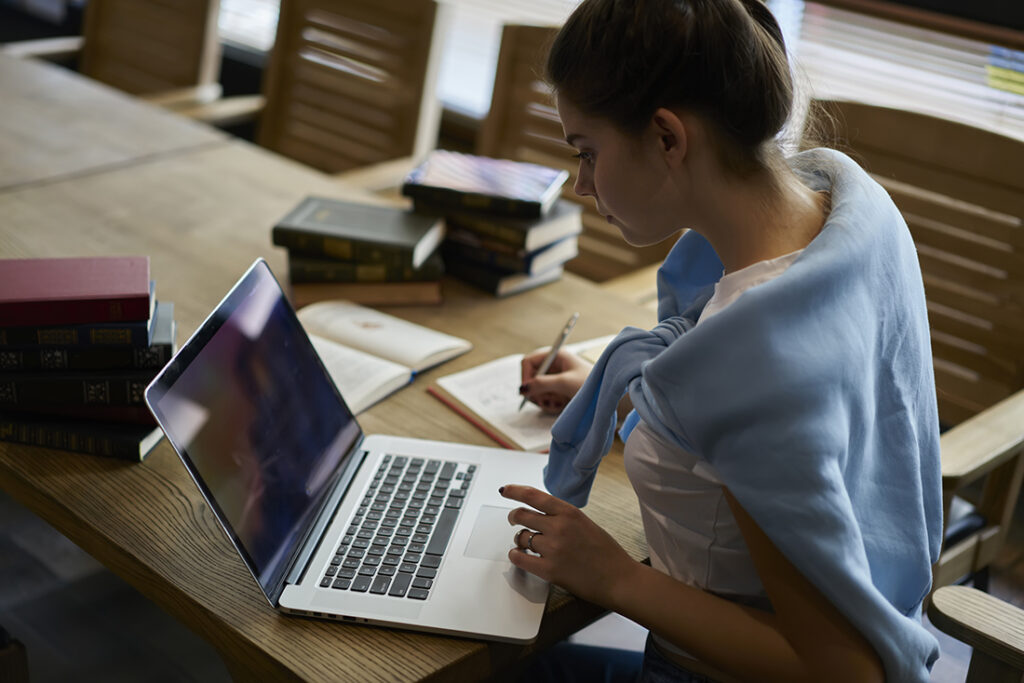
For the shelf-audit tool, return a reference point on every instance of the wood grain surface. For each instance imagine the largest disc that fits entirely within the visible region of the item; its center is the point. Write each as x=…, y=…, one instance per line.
x=203, y=215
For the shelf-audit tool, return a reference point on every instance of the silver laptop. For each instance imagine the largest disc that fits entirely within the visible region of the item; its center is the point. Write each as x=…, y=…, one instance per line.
x=333, y=523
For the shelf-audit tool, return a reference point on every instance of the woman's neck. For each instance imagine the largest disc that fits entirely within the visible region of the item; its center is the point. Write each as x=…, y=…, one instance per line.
x=759, y=219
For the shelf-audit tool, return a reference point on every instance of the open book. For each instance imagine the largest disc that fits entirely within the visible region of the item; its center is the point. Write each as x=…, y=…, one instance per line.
x=488, y=396
x=370, y=354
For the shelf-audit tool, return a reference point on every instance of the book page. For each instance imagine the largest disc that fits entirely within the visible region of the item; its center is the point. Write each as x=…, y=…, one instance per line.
x=491, y=391
x=361, y=378
x=412, y=345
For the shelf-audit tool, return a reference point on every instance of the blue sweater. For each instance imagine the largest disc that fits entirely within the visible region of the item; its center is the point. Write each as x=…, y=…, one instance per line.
x=813, y=397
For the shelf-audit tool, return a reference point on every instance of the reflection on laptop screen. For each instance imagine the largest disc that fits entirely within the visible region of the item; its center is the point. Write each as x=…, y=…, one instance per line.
x=248, y=403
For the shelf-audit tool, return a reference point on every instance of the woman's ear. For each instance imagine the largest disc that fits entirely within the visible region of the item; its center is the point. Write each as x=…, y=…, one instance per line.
x=670, y=131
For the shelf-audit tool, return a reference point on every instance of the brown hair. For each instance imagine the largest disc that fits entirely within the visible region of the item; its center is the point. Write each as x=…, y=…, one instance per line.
x=722, y=59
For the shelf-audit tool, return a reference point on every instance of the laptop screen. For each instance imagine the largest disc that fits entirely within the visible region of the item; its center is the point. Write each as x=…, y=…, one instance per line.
x=257, y=421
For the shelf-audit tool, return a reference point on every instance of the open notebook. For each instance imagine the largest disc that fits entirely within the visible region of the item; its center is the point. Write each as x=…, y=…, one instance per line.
x=488, y=396
x=370, y=354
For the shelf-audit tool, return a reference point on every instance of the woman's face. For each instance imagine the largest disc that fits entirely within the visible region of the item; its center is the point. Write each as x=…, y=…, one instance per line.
x=626, y=175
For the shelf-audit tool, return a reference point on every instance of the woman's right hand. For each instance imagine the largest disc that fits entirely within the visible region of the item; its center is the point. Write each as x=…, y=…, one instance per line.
x=553, y=390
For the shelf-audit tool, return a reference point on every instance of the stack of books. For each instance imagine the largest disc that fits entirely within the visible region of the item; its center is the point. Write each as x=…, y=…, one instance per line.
x=80, y=338
x=506, y=228
x=372, y=255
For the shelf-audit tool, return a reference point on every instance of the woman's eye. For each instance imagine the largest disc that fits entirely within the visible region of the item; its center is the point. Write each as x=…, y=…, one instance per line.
x=583, y=156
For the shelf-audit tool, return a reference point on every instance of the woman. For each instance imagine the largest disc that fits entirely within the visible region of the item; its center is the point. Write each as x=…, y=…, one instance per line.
x=784, y=438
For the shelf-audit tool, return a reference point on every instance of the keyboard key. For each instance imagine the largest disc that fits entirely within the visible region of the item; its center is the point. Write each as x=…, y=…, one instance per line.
x=417, y=547
x=325, y=582
x=360, y=543
x=371, y=561
x=432, y=466
x=400, y=585
x=332, y=570
x=346, y=573
x=455, y=503
x=367, y=571
x=386, y=571
x=447, y=470
x=420, y=538
x=443, y=531
x=361, y=584
x=348, y=539
x=432, y=561
x=418, y=594
x=422, y=583
x=351, y=564
x=341, y=584
x=380, y=585
x=407, y=568
x=414, y=558
x=376, y=551
x=426, y=573
x=356, y=553
x=456, y=493
x=392, y=560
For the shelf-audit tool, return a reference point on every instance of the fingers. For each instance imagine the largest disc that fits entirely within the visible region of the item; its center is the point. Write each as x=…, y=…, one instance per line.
x=537, y=499
x=528, y=518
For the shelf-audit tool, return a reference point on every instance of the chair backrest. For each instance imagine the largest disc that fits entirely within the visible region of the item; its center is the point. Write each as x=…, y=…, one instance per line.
x=350, y=82
x=523, y=125
x=151, y=46
x=961, y=191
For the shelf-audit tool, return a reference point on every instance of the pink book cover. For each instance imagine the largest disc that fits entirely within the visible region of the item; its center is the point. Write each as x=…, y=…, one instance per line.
x=69, y=291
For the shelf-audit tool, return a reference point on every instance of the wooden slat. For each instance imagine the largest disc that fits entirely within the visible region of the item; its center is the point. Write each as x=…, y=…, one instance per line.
x=353, y=76
x=982, y=224
x=144, y=46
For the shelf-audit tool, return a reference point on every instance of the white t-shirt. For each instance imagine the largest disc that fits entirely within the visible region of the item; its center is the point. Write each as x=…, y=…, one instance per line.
x=691, y=532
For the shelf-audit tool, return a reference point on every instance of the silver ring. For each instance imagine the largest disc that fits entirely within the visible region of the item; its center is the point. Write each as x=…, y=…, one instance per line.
x=518, y=536
x=529, y=544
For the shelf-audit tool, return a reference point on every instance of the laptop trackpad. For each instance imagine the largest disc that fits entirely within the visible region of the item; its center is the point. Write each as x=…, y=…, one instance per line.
x=492, y=535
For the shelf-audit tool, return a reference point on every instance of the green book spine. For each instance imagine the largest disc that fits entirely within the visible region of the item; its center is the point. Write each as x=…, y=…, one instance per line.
x=324, y=246
x=305, y=269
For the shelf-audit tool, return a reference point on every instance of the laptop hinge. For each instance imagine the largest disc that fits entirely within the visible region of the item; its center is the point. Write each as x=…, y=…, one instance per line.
x=316, y=531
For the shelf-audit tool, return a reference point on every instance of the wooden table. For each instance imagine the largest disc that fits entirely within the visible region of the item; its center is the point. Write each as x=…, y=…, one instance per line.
x=55, y=124
x=203, y=214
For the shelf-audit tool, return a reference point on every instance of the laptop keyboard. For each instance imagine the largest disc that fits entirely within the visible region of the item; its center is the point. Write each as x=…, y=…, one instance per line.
x=396, y=538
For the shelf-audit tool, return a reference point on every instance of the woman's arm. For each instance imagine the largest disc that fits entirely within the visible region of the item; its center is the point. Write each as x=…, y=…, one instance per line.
x=805, y=639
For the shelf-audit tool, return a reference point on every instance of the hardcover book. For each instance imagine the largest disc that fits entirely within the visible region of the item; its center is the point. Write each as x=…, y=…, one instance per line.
x=497, y=282
x=370, y=354
x=465, y=246
x=349, y=231
x=308, y=269
x=368, y=293
x=66, y=291
x=122, y=441
x=476, y=183
x=84, y=335
x=32, y=390
x=564, y=220
x=116, y=357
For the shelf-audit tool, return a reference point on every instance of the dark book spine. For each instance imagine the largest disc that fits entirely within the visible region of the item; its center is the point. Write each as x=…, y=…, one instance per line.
x=74, y=311
x=136, y=415
x=483, y=277
x=470, y=201
x=482, y=226
x=319, y=270
x=135, y=333
x=112, y=441
x=112, y=358
x=453, y=250
x=28, y=391
x=310, y=244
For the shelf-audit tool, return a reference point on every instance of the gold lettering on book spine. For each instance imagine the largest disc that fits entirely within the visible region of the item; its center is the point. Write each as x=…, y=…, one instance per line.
x=58, y=336
x=121, y=335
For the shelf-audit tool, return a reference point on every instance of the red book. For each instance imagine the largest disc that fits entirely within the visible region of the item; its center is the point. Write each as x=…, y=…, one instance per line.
x=65, y=291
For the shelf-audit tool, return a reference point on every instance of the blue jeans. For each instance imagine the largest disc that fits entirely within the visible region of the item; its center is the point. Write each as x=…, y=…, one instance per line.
x=571, y=663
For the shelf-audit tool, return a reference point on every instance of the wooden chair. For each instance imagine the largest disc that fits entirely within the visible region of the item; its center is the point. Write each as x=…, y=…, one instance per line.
x=961, y=191
x=993, y=627
x=523, y=125
x=167, y=51
x=350, y=83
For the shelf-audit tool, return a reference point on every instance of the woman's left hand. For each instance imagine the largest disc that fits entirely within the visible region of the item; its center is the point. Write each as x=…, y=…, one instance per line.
x=568, y=548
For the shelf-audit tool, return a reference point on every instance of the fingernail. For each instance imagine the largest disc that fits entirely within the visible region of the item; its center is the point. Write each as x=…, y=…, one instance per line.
x=522, y=388
x=501, y=489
